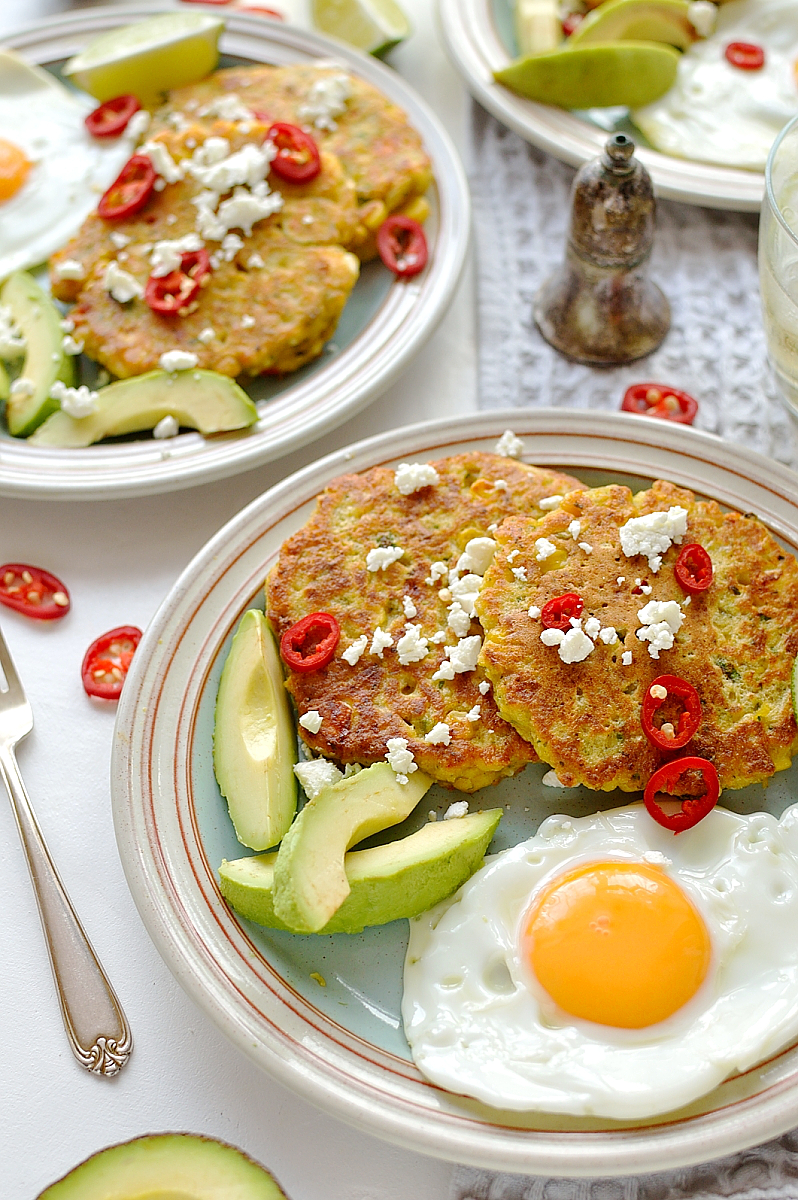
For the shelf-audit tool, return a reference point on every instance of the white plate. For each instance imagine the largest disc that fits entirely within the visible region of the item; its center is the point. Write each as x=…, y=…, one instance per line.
x=477, y=36
x=341, y=1046
x=385, y=322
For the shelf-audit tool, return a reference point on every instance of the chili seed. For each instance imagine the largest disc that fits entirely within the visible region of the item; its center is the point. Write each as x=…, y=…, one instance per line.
x=61, y=599
x=27, y=577
x=659, y=692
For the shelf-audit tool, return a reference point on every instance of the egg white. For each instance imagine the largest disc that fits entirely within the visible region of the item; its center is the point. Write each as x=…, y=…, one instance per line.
x=70, y=171
x=478, y=1023
x=718, y=113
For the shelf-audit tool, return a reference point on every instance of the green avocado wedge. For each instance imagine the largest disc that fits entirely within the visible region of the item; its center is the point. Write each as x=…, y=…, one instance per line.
x=624, y=72
x=254, y=741
x=638, y=21
x=310, y=882
x=167, y=1166
x=387, y=883
x=39, y=321
x=197, y=399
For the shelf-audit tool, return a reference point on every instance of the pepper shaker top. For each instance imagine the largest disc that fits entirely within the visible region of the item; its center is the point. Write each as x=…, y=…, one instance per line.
x=600, y=306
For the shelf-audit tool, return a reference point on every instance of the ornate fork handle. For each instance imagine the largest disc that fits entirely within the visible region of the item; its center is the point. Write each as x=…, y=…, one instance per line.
x=96, y=1026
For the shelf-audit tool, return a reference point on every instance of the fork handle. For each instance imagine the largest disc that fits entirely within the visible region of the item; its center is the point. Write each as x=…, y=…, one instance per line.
x=98, y=1032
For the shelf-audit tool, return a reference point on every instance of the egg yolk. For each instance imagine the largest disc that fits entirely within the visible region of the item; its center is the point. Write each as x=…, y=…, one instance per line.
x=617, y=943
x=14, y=168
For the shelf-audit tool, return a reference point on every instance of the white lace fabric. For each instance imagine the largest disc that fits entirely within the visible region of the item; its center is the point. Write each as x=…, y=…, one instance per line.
x=705, y=262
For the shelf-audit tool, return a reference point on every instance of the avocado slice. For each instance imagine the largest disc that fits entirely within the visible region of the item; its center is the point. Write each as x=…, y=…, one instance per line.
x=45, y=361
x=387, y=883
x=5, y=383
x=197, y=399
x=637, y=20
x=587, y=76
x=170, y=1166
x=310, y=882
x=254, y=740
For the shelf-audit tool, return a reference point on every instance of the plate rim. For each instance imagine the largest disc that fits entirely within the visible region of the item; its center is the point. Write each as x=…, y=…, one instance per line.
x=476, y=50
x=403, y=322
x=339, y=1082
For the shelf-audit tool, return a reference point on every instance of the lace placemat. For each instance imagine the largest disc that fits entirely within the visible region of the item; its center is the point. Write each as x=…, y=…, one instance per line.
x=705, y=262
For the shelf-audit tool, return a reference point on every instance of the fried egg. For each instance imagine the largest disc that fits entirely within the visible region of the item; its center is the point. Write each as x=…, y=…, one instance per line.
x=719, y=113
x=52, y=171
x=607, y=967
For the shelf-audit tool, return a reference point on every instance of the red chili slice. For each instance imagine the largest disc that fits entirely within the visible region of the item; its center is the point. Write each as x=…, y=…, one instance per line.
x=689, y=719
x=693, y=569
x=693, y=808
x=33, y=592
x=310, y=644
x=557, y=613
x=402, y=246
x=130, y=191
x=107, y=661
x=572, y=22
x=297, y=159
x=172, y=293
x=745, y=55
x=659, y=400
x=111, y=118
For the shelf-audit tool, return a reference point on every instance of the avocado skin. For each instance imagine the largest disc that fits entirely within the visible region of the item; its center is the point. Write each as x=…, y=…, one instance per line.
x=45, y=361
x=310, y=881
x=595, y=76
x=179, y=1164
x=388, y=883
x=197, y=399
x=254, y=743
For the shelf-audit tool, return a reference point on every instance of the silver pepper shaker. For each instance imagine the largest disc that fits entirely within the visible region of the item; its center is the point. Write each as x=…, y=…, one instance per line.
x=600, y=307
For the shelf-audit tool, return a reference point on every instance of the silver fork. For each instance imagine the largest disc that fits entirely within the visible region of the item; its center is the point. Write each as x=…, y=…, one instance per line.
x=98, y=1032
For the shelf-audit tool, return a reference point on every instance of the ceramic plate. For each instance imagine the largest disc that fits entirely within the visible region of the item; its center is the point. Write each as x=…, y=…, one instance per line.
x=480, y=40
x=385, y=322
x=341, y=1045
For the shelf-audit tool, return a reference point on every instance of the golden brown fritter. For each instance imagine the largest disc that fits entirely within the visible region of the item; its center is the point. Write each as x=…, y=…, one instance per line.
x=378, y=147
x=737, y=643
x=323, y=567
x=290, y=302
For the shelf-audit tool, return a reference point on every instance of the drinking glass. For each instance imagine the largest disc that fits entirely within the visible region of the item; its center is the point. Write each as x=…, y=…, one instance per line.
x=778, y=262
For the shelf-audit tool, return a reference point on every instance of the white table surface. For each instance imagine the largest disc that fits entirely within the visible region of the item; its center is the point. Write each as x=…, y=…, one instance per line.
x=119, y=559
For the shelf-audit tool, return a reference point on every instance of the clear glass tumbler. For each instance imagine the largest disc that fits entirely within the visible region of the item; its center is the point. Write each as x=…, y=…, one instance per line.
x=778, y=262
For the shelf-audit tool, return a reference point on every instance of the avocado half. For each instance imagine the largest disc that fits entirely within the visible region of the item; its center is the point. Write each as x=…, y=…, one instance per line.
x=172, y=1166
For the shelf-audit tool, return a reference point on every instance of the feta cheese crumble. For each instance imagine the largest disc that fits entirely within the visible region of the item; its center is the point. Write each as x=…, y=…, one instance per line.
x=381, y=557
x=477, y=556
x=436, y=572
x=473, y=713
x=22, y=388
x=311, y=720
x=69, y=268
x=653, y=534
x=316, y=775
x=400, y=759
x=575, y=528
x=75, y=402
x=458, y=619
x=626, y=658
x=573, y=646
x=588, y=549
x=70, y=346
x=592, y=627
x=380, y=642
x=509, y=446
x=461, y=658
x=609, y=635
x=439, y=735
x=355, y=651
x=120, y=284
x=550, y=502
x=167, y=427
x=544, y=549
x=703, y=17
x=408, y=607
x=326, y=101
x=520, y=573
x=533, y=611
x=166, y=256
x=206, y=335
x=458, y=809
x=177, y=360
x=12, y=340
x=660, y=621
x=412, y=647
x=411, y=477
x=484, y=688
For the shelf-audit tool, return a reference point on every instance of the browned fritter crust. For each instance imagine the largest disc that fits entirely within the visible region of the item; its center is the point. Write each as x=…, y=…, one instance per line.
x=295, y=298
x=323, y=568
x=381, y=152
x=737, y=644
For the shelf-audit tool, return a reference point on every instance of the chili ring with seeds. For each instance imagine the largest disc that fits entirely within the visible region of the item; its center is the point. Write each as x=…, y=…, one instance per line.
x=33, y=592
x=107, y=662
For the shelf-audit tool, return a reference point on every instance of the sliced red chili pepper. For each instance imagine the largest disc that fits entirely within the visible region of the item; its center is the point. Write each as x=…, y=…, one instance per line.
x=659, y=400
x=572, y=22
x=111, y=118
x=297, y=159
x=172, y=293
x=693, y=569
x=107, y=661
x=557, y=613
x=130, y=191
x=310, y=644
x=745, y=55
x=693, y=808
x=33, y=592
x=666, y=687
x=402, y=245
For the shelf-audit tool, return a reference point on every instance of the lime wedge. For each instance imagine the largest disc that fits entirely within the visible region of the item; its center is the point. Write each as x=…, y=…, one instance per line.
x=372, y=25
x=148, y=58
x=795, y=688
